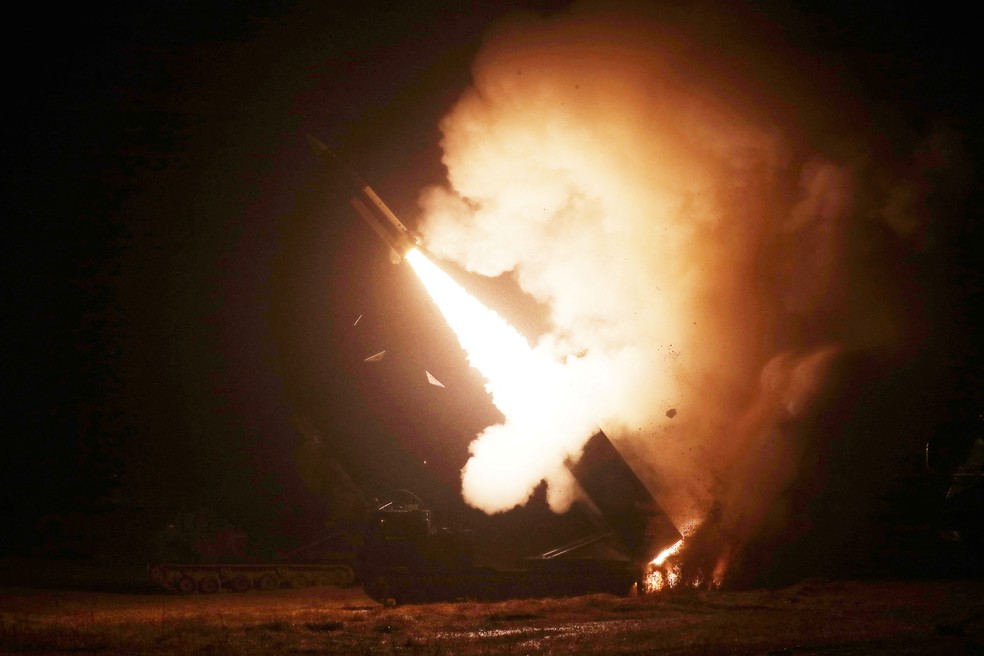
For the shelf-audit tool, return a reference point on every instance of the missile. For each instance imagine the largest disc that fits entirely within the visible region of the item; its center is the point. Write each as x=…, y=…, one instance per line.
x=367, y=204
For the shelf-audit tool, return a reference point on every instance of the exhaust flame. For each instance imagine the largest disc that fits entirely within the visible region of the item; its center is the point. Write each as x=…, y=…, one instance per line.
x=535, y=393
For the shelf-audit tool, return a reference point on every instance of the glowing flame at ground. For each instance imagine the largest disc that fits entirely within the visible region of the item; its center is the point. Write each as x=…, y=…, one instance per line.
x=661, y=574
x=667, y=571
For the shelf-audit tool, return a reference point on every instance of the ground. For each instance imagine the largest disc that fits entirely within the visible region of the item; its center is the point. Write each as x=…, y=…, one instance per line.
x=812, y=617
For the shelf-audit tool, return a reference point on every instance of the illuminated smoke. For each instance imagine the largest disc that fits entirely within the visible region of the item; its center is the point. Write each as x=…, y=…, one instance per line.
x=644, y=180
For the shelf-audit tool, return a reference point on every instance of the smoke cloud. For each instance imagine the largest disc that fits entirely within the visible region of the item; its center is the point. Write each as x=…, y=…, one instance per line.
x=699, y=249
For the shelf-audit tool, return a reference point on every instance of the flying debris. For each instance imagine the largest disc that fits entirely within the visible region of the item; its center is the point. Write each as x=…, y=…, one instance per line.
x=432, y=380
x=368, y=205
x=376, y=357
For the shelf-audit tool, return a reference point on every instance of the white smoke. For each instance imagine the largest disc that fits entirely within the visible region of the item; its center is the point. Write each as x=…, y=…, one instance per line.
x=690, y=248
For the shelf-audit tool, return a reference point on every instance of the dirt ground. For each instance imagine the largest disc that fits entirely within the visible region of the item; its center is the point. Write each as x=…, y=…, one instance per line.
x=812, y=617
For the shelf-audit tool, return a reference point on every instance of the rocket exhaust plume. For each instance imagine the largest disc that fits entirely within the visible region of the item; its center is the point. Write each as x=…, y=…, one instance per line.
x=530, y=389
x=665, y=190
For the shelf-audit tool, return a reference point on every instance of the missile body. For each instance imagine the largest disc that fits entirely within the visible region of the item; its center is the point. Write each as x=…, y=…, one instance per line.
x=367, y=204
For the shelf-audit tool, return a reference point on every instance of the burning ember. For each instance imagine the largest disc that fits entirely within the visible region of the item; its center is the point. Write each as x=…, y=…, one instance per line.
x=666, y=571
x=662, y=574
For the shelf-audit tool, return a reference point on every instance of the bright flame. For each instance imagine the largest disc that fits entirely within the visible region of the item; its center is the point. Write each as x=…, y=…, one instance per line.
x=493, y=347
x=536, y=393
x=666, y=553
x=666, y=571
x=662, y=574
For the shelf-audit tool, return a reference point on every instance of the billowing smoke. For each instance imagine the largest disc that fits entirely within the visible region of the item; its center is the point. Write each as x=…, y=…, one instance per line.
x=695, y=243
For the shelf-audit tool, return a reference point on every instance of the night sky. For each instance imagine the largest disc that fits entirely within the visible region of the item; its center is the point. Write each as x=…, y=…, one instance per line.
x=181, y=284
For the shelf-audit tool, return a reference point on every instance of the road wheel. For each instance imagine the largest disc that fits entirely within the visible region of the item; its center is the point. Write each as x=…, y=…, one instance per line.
x=240, y=583
x=209, y=585
x=267, y=582
x=186, y=585
x=344, y=576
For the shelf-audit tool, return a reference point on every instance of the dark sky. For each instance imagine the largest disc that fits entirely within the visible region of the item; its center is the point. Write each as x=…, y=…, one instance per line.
x=179, y=283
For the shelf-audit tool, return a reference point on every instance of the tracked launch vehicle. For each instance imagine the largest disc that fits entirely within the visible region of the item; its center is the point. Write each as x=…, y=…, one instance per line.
x=200, y=553
x=406, y=557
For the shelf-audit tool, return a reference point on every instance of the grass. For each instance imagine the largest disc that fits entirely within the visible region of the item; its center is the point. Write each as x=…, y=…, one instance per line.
x=813, y=617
